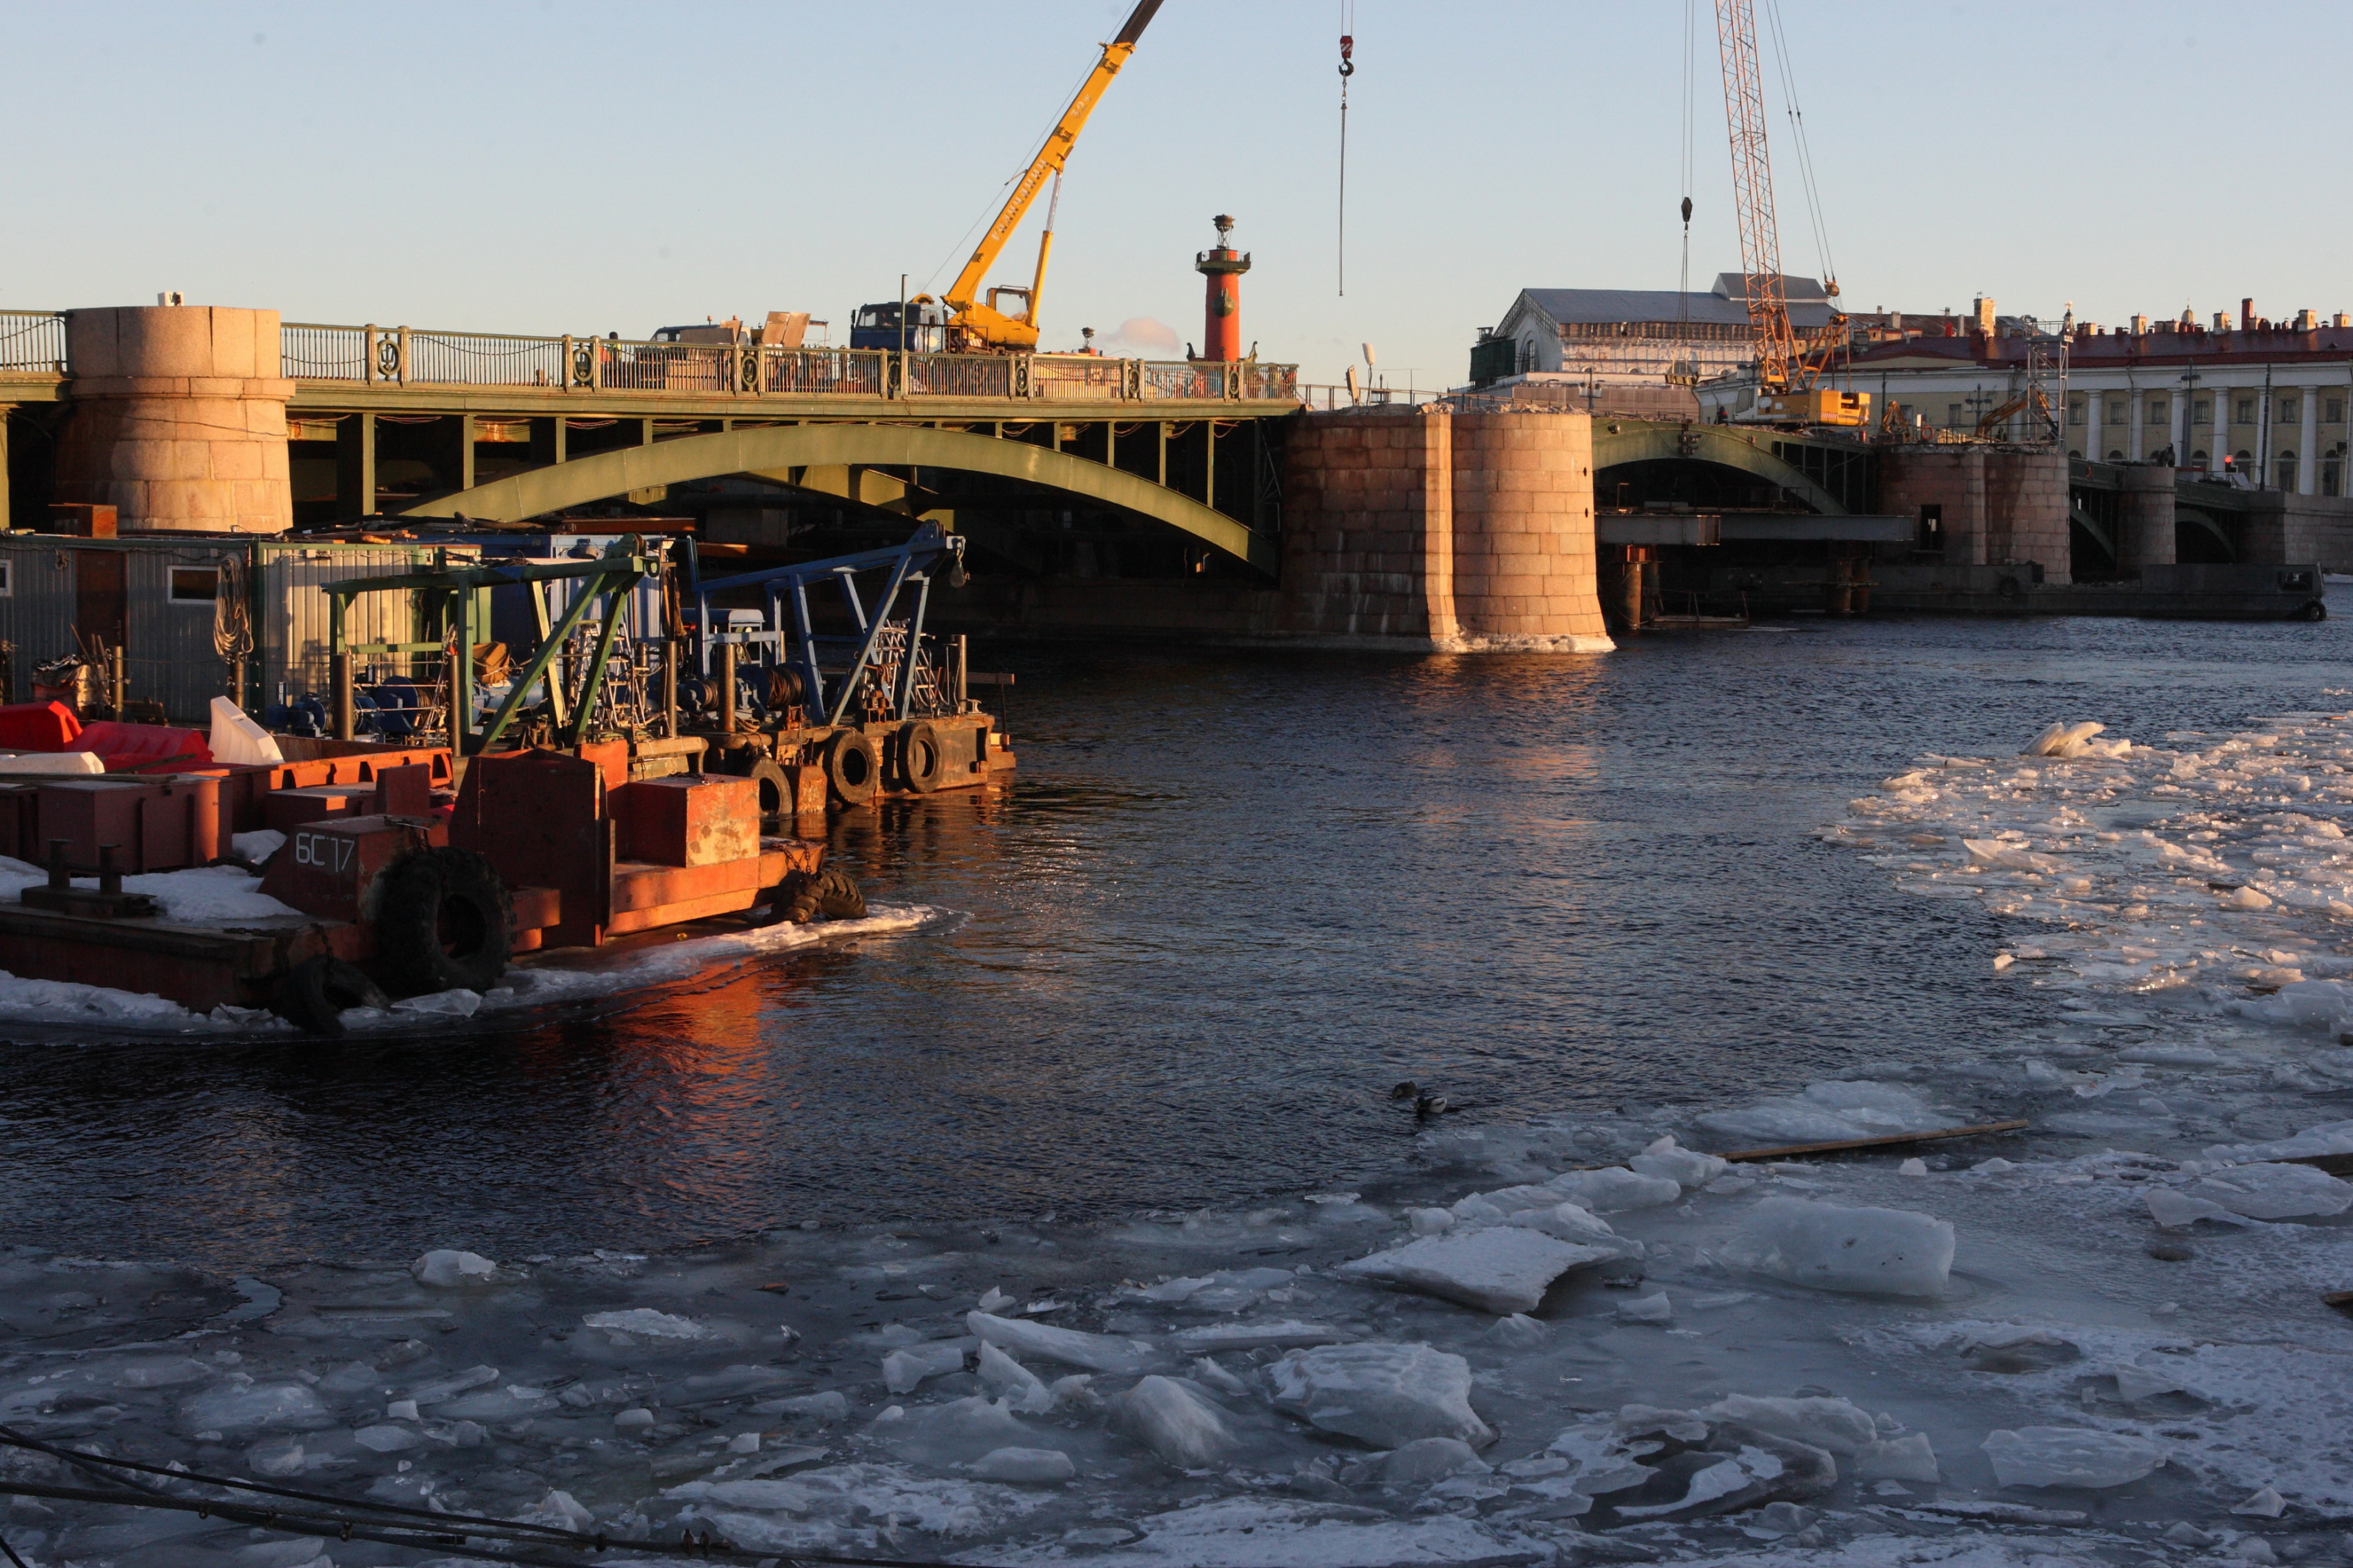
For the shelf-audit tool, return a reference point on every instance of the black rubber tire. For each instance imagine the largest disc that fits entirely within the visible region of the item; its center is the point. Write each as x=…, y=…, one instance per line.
x=832, y=893
x=315, y=993
x=445, y=923
x=2009, y=588
x=923, y=765
x=2315, y=611
x=853, y=768
x=776, y=789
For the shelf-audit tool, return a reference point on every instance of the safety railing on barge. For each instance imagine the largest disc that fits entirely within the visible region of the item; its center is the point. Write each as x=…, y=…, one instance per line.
x=408, y=356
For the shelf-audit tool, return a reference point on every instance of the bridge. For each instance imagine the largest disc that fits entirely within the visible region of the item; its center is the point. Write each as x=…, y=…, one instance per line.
x=1030, y=455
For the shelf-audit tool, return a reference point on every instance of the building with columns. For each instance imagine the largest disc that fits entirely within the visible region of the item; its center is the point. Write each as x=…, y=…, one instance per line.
x=2265, y=403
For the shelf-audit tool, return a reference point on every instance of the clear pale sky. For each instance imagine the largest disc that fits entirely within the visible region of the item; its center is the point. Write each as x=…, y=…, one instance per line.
x=542, y=167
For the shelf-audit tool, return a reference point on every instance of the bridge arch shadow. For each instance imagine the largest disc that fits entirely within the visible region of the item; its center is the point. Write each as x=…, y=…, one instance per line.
x=763, y=449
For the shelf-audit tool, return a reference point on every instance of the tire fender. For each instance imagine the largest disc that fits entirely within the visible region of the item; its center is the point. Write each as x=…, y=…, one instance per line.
x=853, y=767
x=921, y=765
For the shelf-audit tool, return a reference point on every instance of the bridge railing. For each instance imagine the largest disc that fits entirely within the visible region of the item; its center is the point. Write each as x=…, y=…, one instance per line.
x=32, y=343
x=412, y=356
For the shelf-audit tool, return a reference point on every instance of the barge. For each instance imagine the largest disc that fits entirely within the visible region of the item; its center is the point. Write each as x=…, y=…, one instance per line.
x=505, y=814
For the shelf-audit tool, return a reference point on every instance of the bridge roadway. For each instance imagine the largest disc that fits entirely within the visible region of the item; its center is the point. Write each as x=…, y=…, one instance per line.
x=502, y=428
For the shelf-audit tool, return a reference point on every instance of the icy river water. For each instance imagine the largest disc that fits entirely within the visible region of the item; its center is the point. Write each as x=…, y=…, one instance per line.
x=1061, y=1214
x=1230, y=900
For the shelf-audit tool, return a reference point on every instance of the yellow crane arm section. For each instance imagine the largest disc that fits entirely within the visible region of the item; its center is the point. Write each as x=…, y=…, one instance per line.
x=962, y=296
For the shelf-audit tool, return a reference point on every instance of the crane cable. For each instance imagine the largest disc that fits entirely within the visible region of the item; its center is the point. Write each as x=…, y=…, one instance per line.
x=1683, y=343
x=1347, y=69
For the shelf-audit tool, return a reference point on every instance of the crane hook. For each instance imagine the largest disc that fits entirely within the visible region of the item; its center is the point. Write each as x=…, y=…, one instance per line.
x=1347, y=49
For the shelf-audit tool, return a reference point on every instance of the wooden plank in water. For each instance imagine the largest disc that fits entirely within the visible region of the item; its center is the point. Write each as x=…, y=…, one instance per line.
x=1890, y=1140
x=2335, y=1164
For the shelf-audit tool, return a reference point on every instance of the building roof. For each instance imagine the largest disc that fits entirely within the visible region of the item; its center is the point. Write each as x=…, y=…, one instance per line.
x=1725, y=305
x=2117, y=350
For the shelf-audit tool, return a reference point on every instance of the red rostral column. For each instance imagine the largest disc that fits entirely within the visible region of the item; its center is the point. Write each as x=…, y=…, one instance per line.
x=1221, y=333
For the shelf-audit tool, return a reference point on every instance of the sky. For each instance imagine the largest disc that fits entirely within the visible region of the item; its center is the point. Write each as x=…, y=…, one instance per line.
x=527, y=167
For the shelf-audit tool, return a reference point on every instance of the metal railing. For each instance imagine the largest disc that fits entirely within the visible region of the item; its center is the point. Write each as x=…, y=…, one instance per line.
x=962, y=375
x=412, y=356
x=33, y=341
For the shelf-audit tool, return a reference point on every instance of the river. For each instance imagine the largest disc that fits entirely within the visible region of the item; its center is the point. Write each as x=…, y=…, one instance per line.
x=1232, y=898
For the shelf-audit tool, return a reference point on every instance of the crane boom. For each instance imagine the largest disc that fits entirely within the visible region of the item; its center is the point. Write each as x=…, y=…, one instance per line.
x=1752, y=196
x=984, y=326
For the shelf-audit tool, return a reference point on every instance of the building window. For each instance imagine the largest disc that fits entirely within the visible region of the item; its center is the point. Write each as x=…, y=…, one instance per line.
x=7, y=579
x=2332, y=471
x=2074, y=410
x=2290, y=410
x=2156, y=411
x=2332, y=409
x=2245, y=461
x=1952, y=415
x=2201, y=412
x=1931, y=538
x=2283, y=472
x=194, y=585
x=2198, y=460
x=2244, y=412
x=2116, y=411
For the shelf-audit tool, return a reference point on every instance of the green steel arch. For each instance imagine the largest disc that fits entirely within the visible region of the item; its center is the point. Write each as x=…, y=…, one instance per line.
x=689, y=458
x=1634, y=441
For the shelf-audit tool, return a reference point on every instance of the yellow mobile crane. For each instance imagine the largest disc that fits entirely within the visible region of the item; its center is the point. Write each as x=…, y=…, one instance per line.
x=976, y=328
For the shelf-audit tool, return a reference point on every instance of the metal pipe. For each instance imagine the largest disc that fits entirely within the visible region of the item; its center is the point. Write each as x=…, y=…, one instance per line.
x=727, y=689
x=119, y=680
x=671, y=648
x=964, y=669
x=346, y=722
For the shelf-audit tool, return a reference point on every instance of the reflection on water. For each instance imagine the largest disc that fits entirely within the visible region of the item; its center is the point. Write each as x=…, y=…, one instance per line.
x=1230, y=899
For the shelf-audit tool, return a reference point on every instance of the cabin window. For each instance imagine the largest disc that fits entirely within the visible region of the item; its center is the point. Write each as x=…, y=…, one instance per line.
x=194, y=585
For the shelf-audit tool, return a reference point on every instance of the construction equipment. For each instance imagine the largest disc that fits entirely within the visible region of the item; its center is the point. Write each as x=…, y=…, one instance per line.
x=894, y=716
x=1992, y=420
x=993, y=328
x=1784, y=366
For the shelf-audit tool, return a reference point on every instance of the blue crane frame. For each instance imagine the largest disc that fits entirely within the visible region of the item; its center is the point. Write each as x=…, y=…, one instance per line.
x=911, y=563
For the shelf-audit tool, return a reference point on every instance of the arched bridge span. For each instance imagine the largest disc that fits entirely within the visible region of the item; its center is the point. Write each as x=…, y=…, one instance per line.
x=762, y=449
x=1617, y=442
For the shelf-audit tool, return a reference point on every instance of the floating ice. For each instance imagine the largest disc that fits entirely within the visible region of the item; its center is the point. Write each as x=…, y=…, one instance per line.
x=1175, y=1420
x=1430, y=1222
x=1421, y=1462
x=1096, y=1353
x=805, y=1511
x=902, y=1369
x=1520, y=1331
x=1614, y=1191
x=2264, y=1504
x=2331, y=1138
x=2173, y=1210
x=1500, y=1270
x=1647, y=1309
x=1872, y=1251
x=2275, y=1192
x=260, y=1407
x=2070, y=1457
x=387, y=1440
x=1010, y=1380
x=1285, y=1335
x=1907, y=1458
x=1384, y=1394
x=1828, y=1112
x=442, y=1389
x=830, y=1406
x=2135, y=1384
x=648, y=1323
x=1252, y=1531
x=1024, y=1465
x=1668, y=1159
x=444, y=1267
x=1833, y=1424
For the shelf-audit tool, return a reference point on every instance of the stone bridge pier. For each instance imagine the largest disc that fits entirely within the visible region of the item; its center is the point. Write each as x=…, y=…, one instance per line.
x=179, y=419
x=1413, y=529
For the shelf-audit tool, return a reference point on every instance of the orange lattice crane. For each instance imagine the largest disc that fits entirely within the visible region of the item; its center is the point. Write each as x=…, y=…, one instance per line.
x=1787, y=369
